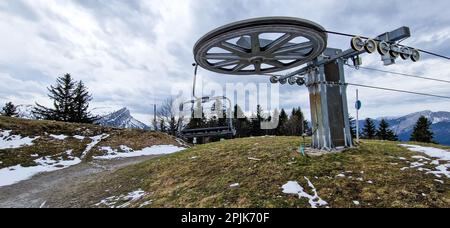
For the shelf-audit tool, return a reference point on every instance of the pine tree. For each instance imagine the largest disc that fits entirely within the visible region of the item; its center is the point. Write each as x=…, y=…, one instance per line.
x=81, y=105
x=173, y=126
x=10, y=110
x=162, y=125
x=241, y=123
x=296, y=123
x=256, y=122
x=283, y=119
x=384, y=133
x=422, y=131
x=369, y=130
x=70, y=100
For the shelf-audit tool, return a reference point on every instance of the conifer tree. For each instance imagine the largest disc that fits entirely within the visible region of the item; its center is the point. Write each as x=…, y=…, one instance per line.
x=369, y=130
x=384, y=133
x=422, y=131
x=70, y=102
x=10, y=110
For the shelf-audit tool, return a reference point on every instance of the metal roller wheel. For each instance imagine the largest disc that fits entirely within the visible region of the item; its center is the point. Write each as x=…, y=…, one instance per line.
x=283, y=81
x=260, y=46
x=394, y=52
x=405, y=53
x=383, y=48
x=415, y=55
x=274, y=79
x=301, y=81
x=357, y=43
x=292, y=80
x=371, y=46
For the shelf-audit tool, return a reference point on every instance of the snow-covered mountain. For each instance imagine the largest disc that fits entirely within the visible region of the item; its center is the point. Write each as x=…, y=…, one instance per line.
x=122, y=119
x=404, y=125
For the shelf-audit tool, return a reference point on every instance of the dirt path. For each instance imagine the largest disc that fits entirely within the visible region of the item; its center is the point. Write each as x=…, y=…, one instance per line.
x=59, y=188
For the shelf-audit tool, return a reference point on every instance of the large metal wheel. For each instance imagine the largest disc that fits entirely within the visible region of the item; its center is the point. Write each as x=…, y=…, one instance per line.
x=260, y=46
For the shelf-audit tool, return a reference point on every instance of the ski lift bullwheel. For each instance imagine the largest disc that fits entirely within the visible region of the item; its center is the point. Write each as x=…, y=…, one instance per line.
x=260, y=46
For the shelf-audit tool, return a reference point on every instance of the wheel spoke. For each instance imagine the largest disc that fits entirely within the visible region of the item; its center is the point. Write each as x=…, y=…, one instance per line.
x=222, y=56
x=257, y=68
x=278, y=43
x=274, y=63
x=226, y=63
x=256, y=43
x=290, y=56
x=234, y=48
x=295, y=48
x=240, y=67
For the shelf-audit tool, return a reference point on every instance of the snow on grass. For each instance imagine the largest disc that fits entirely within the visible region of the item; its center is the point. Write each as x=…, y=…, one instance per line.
x=95, y=140
x=122, y=201
x=357, y=203
x=292, y=187
x=59, y=137
x=15, y=174
x=148, y=203
x=429, y=151
x=127, y=152
x=439, y=156
x=236, y=185
x=79, y=137
x=8, y=141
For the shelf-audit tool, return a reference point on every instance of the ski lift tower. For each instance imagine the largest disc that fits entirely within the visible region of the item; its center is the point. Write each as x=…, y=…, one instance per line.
x=264, y=46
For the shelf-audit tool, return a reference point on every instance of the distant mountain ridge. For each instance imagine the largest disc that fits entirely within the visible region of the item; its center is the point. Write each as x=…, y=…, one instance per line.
x=403, y=126
x=122, y=119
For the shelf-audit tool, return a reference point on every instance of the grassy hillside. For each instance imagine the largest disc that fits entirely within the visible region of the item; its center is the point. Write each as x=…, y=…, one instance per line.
x=77, y=137
x=236, y=173
x=203, y=177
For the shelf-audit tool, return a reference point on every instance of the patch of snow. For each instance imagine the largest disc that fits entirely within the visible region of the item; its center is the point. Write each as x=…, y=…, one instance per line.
x=146, y=204
x=8, y=141
x=440, y=181
x=236, y=185
x=435, y=162
x=79, y=137
x=341, y=175
x=416, y=165
x=421, y=158
x=292, y=187
x=15, y=174
x=128, y=152
x=429, y=151
x=129, y=198
x=59, y=137
x=370, y=182
x=402, y=158
x=441, y=170
x=357, y=203
x=34, y=155
x=95, y=140
x=439, y=155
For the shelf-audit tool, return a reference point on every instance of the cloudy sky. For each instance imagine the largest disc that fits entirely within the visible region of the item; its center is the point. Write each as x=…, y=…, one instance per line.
x=133, y=53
